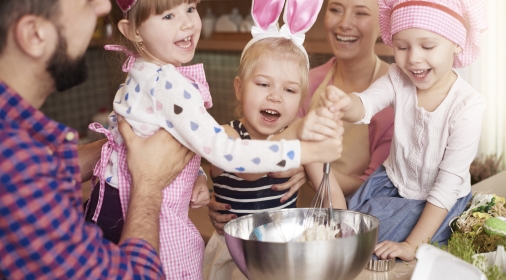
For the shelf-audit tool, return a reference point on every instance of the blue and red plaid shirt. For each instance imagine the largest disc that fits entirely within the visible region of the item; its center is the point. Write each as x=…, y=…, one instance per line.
x=43, y=234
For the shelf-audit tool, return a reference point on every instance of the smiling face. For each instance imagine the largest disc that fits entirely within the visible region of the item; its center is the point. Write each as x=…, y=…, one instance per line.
x=270, y=96
x=352, y=27
x=425, y=57
x=172, y=36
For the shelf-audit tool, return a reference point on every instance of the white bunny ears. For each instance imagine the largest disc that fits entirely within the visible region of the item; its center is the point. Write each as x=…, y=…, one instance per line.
x=299, y=16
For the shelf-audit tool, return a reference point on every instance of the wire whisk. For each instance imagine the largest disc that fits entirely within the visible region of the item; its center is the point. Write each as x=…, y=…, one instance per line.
x=319, y=220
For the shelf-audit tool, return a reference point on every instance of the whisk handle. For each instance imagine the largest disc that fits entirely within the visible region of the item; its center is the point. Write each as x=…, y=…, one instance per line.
x=326, y=168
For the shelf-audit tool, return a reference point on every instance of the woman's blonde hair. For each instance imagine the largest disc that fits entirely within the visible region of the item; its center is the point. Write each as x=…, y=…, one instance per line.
x=281, y=48
x=139, y=13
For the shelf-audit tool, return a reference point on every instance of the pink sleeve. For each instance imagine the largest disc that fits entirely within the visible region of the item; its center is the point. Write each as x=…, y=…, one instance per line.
x=316, y=76
x=381, y=130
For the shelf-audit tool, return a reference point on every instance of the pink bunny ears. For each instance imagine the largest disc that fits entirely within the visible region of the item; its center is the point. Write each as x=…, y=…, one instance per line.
x=299, y=16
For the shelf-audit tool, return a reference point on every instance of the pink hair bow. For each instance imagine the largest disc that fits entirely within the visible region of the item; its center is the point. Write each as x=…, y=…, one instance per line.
x=125, y=5
x=127, y=66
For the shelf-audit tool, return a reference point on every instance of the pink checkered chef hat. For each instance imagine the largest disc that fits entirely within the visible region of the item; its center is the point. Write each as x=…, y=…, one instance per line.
x=460, y=21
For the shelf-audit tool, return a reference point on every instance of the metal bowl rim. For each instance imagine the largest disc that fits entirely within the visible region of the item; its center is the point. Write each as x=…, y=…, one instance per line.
x=236, y=220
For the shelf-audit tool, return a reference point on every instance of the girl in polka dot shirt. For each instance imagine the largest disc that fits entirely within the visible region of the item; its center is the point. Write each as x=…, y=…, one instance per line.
x=159, y=36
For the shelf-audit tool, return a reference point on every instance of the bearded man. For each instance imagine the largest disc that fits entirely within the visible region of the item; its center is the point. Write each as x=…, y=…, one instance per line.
x=42, y=230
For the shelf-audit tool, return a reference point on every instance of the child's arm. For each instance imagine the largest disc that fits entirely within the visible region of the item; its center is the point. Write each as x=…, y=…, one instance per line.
x=215, y=171
x=431, y=219
x=361, y=107
x=315, y=173
x=178, y=108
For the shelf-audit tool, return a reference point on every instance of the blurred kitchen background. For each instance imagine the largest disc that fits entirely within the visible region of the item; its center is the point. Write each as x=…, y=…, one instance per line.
x=219, y=49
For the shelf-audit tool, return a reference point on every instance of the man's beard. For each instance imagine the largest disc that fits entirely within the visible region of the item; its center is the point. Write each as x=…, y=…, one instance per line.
x=65, y=71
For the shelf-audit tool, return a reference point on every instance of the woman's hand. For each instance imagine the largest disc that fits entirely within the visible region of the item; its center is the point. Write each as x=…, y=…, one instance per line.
x=298, y=177
x=200, y=194
x=217, y=219
x=390, y=250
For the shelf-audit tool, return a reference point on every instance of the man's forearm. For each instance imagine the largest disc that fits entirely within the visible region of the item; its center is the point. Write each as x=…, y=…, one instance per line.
x=143, y=218
x=89, y=155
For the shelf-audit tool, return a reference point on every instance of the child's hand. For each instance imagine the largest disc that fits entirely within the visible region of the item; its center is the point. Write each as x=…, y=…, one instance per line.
x=317, y=125
x=389, y=250
x=324, y=151
x=336, y=101
x=200, y=193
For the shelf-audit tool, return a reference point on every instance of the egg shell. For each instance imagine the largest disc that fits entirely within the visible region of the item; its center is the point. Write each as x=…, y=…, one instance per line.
x=495, y=226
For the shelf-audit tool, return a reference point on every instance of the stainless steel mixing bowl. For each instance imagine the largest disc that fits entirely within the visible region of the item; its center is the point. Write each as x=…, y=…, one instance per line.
x=256, y=244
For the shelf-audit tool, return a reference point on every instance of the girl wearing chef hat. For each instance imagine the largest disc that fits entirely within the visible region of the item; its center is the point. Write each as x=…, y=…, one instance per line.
x=425, y=181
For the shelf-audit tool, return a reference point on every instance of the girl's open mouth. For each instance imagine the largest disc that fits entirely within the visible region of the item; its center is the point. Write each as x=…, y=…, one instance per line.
x=184, y=44
x=270, y=115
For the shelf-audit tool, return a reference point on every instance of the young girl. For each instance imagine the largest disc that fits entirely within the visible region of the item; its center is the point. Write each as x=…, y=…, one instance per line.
x=425, y=181
x=159, y=36
x=272, y=80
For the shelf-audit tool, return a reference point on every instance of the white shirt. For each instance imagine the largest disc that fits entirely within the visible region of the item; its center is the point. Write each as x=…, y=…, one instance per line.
x=431, y=151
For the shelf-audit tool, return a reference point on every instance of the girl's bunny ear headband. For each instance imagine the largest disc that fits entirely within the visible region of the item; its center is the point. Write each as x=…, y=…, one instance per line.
x=299, y=16
x=125, y=5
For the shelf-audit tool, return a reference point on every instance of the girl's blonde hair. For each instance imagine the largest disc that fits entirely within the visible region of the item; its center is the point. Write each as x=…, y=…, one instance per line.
x=281, y=48
x=138, y=14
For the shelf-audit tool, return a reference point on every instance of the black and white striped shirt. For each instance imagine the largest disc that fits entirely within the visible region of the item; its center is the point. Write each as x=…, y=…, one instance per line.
x=249, y=197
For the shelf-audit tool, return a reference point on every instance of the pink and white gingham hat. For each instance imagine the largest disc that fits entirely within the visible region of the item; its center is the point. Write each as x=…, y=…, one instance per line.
x=460, y=21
